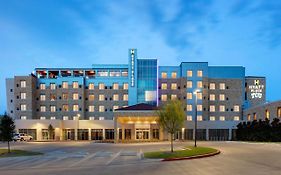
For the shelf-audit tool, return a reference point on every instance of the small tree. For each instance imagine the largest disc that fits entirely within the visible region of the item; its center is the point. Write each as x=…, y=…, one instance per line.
x=171, y=118
x=7, y=127
x=51, y=131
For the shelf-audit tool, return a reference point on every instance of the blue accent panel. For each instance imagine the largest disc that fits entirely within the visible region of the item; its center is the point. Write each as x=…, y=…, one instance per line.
x=110, y=66
x=226, y=72
x=194, y=67
x=169, y=70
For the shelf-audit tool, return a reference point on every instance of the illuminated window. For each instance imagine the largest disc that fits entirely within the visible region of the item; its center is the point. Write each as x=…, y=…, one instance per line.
x=101, y=85
x=212, y=97
x=42, y=97
x=212, y=118
x=42, y=86
x=75, y=108
x=222, y=108
x=236, y=118
x=199, y=95
x=222, y=86
x=125, y=97
x=164, y=74
x=279, y=112
x=65, y=117
x=101, y=97
x=189, y=84
x=199, y=73
x=23, y=117
x=75, y=85
x=199, y=118
x=164, y=86
x=222, y=97
x=115, y=97
x=255, y=116
x=53, y=108
x=189, y=118
x=65, y=96
x=91, y=97
x=22, y=95
x=163, y=97
x=222, y=118
x=53, y=97
x=249, y=117
x=65, y=108
x=91, y=86
x=42, y=118
x=91, y=108
x=174, y=86
x=174, y=74
x=199, y=107
x=125, y=86
x=115, y=86
x=101, y=108
x=236, y=108
x=212, y=86
x=267, y=114
x=42, y=108
x=75, y=96
x=101, y=118
x=173, y=97
x=91, y=118
x=53, y=118
x=65, y=85
x=52, y=86
x=23, y=107
x=199, y=84
x=115, y=107
x=188, y=107
x=189, y=73
x=22, y=84
x=212, y=108
x=189, y=95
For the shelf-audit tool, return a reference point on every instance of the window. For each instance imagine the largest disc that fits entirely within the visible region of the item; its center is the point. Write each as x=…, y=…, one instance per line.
x=91, y=97
x=222, y=97
x=199, y=73
x=174, y=86
x=163, y=97
x=115, y=97
x=222, y=118
x=199, y=118
x=189, y=118
x=267, y=114
x=212, y=118
x=173, y=97
x=75, y=85
x=42, y=86
x=125, y=97
x=53, y=108
x=91, y=108
x=124, y=73
x=22, y=84
x=249, y=117
x=65, y=85
x=222, y=108
x=75, y=96
x=42, y=118
x=189, y=95
x=23, y=107
x=222, y=86
x=65, y=108
x=189, y=73
x=199, y=95
x=189, y=84
x=279, y=112
x=65, y=117
x=75, y=108
x=22, y=95
x=91, y=118
x=212, y=108
x=115, y=86
x=23, y=117
x=101, y=108
x=53, y=97
x=42, y=97
x=101, y=85
x=53, y=118
x=236, y=108
x=188, y=107
x=101, y=118
x=125, y=86
x=101, y=97
x=164, y=86
x=212, y=86
x=199, y=108
x=236, y=118
x=164, y=74
x=212, y=97
x=75, y=118
x=115, y=107
x=255, y=116
x=52, y=86
x=174, y=74
x=199, y=84
x=91, y=86
x=42, y=108
x=65, y=96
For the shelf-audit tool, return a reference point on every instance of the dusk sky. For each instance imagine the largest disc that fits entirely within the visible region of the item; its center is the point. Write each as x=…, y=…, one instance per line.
x=77, y=33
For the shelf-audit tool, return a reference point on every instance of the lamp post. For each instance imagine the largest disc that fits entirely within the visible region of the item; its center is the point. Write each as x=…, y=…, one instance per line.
x=195, y=118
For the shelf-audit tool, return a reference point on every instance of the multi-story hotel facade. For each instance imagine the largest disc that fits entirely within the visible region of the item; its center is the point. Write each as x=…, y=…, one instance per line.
x=119, y=101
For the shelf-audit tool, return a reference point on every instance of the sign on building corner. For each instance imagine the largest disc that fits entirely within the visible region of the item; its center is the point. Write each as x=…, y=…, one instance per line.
x=256, y=90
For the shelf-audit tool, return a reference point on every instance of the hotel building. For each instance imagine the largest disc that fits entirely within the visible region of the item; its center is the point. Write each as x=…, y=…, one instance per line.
x=118, y=101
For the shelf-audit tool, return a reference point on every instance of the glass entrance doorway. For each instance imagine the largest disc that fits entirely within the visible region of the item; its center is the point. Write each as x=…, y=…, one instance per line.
x=142, y=134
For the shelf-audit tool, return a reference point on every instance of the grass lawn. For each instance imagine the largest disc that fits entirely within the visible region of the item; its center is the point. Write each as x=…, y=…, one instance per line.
x=16, y=153
x=189, y=151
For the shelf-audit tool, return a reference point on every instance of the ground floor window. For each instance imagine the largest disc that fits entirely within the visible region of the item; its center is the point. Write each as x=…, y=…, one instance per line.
x=31, y=132
x=155, y=134
x=68, y=134
x=188, y=134
x=201, y=134
x=128, y=134
x=109, y=134
x=218, y=134
x=178, y=135
x=46, y=135
x=120, y=134
x=83, y=134
x=96, y=134
x=142, y=134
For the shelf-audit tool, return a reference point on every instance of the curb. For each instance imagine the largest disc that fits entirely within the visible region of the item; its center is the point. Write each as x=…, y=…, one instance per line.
x=193, y=157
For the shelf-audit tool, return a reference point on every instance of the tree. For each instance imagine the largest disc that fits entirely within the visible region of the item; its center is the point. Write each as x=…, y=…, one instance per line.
x=51, y=131
x=171, y=118
x=7, y=127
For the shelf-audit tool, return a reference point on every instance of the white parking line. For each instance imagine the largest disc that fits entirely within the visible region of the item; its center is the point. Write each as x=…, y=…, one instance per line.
x=114, y=157
x=85, y=159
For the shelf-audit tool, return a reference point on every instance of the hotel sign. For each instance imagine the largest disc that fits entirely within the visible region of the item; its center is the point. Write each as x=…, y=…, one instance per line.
x=256, y=90
x=132, y=68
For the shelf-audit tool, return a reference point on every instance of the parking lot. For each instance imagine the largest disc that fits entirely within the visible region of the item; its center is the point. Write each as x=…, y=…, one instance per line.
x=107, y=158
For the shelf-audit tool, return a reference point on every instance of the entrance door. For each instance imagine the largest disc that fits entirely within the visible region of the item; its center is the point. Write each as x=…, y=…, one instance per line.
x=68, y=135
x=142, y=134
